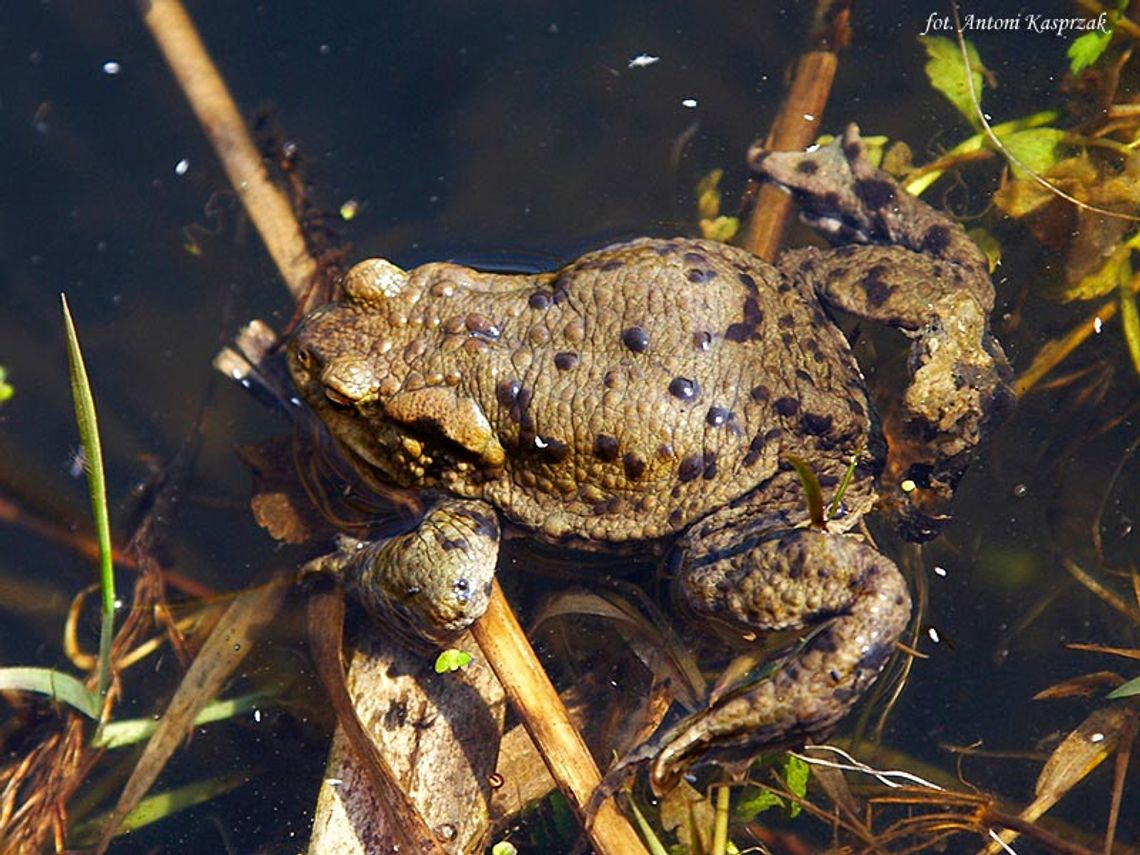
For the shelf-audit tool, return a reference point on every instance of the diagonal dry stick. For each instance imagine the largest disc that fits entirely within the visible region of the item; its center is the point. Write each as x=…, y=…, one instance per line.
x=501, y=639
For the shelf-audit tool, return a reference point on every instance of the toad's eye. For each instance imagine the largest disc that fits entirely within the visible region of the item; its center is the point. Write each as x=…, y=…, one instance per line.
x=304, y=358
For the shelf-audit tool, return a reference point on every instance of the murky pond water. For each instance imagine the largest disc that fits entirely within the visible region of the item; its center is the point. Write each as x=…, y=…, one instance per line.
x=508, y=135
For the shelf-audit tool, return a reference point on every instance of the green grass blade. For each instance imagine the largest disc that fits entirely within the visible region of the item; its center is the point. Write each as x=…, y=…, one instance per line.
x=119, y=734
x=97, y=486
x=1129, y=316
x=812, y=491
x=160, y=806
x=55, y=684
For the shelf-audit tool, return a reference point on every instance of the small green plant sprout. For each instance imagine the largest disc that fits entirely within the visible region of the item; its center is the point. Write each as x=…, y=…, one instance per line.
x=451, y=660
x=813, y=494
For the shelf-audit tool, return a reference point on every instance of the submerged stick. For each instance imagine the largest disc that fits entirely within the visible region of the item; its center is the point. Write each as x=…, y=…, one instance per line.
x=545, y=718
x=797, y=123
x=218, y=115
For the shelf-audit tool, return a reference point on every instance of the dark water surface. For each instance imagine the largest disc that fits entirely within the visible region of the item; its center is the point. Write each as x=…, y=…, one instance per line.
x=510, y=133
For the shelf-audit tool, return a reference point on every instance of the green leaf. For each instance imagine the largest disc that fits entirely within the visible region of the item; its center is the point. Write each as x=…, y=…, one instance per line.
x=989, y=246
x=55, y=684
x=1086, y=50
x=451, y=660
x=947, y=74
x=1129, y=315
x=1128, y=690
x=6, y=388
x=796, y=774
x=754, y=801
x=96, y=486
x=1035, y=150
x=504, y=847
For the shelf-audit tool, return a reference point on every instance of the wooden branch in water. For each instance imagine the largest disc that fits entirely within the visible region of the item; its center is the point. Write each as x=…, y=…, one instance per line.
x=199, y=79
x=797, y=124
x=544, y=716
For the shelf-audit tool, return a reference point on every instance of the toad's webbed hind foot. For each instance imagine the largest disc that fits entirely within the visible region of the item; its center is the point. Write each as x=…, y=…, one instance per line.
x=914, y=268
x=853, y=600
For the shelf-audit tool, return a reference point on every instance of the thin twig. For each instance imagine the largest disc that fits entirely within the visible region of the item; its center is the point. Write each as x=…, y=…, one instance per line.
x=218, y=115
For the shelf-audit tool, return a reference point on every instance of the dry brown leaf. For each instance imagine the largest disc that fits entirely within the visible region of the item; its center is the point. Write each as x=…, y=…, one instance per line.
x=1084, y=686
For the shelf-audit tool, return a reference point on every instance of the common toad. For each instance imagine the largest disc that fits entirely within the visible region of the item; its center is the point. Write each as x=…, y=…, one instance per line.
x=649, y=396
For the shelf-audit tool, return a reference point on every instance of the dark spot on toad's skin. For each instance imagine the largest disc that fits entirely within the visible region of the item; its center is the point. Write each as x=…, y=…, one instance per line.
x=566, y=360
x=748, y=282
x=878, y=291
x=635, y=338
x=750, y=458
x=760, y=393
x=737, y=332
x=773, y=433
x=486, y=525
x=815, y=424
x=634, y=466
x=507, y=392
x=745, y=329
x=875, y=193
x=519, y=411
x=709, y=471
x=807, y=167
x=607, y=506
x=481, y=325
x=690, y=467
x=694, y=258
x=561, y=290
x=448, y=544
x=684, y=388
x=717, y=416
x=616, y=264
x=605, y=448
x=804, y=377
x=700, y=274
x=786, y=322
x=553, y=450
x=702, y=340
x=787, y=406
x=828, y=480
x=787, y=339
x=675, y=519
x=852, y=149
x=757, y=443
x=855, y=407
x=936, y=239
x=540, y=300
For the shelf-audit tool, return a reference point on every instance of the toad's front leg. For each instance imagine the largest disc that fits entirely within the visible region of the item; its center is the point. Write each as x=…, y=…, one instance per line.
x=851, y=601
x=435, y=580
x=914, y=268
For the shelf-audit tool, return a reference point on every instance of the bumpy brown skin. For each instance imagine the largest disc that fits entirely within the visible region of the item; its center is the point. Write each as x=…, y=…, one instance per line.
x=649, y=396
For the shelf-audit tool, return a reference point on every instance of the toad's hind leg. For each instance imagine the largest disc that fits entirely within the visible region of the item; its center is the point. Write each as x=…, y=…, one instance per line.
x=853, y=601
x=915, y=268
